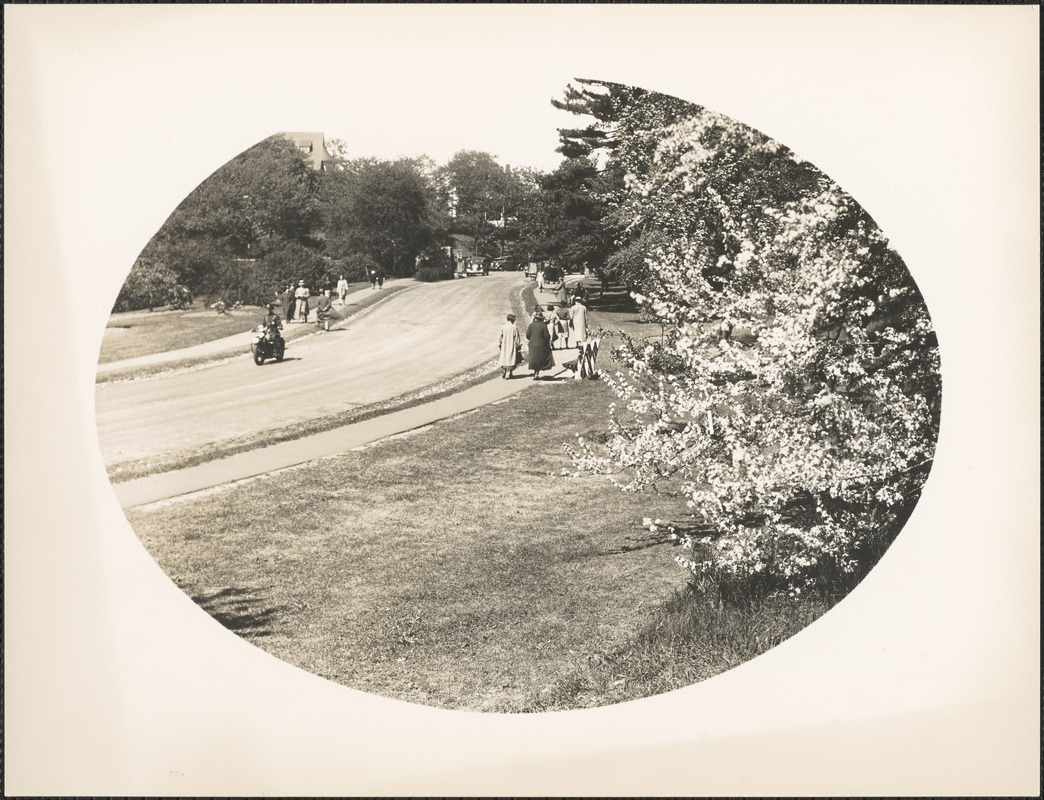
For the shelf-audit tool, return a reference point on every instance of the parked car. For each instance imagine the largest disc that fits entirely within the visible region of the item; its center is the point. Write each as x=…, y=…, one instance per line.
x=505, y=264
x=477, y=267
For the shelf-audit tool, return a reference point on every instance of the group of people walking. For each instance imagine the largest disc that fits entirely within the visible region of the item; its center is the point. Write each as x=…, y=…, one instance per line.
x=296, y=305
x=559, y=326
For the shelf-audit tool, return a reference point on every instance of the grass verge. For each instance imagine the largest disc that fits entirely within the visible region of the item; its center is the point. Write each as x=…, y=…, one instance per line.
x=456, y=567
x=141, y=333
x=172, y=333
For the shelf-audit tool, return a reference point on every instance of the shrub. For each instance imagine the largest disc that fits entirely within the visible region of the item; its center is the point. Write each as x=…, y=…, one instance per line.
x=149, y=284
x=431, y=274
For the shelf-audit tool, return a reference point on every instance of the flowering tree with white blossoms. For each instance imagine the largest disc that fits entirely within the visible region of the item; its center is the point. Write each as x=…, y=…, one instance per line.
x=795, y=401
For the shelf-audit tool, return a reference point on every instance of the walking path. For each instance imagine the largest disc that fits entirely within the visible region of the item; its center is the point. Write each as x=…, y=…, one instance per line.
x=240, y=341
x=161, y=486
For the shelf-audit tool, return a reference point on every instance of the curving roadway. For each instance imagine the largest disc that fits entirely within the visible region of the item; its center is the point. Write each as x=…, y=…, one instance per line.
x=418, y=337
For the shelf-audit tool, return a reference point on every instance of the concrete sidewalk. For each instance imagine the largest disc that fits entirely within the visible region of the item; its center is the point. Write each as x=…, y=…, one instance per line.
x=241, y=341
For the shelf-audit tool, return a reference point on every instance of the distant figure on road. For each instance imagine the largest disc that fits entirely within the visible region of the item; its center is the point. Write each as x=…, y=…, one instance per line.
x=540, y=280
x=302, y=294
x=373, y=279
x=510, y=348
x=380, y=279
x=323, y=310
x=342, y=289
x=539, y=337
x=286, y=300
x=578, y=319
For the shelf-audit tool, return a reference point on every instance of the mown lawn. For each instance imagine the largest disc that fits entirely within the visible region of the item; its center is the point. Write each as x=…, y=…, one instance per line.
x=455, y=567
x=140, y=333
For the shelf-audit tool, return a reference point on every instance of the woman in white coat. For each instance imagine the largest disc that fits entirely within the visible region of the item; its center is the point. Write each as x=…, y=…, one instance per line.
x=578, y=321
x=510, y=344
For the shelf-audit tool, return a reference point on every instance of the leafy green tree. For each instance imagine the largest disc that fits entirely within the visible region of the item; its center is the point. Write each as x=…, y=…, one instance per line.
x=486, y=200
x=562, y=221
x=626, y=129
x=378, y=209
x=260, y=200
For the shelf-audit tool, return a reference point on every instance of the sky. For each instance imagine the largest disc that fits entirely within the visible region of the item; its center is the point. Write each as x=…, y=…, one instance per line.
x=927, y=115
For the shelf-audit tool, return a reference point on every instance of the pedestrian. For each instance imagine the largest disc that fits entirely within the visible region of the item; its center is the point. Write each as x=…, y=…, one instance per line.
x=286, y=300
x=323, y=311
x=560, y=292
x=540, y=357
x=540, y=279
x=302, y=294
x=373, y=278
x=578, y=320
x=551, y=320
x=563, y=318
x=510, y=348
x=380, y=279
x=342, y=289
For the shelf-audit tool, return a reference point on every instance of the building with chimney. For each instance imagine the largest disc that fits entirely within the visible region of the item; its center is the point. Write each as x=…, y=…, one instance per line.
x=313, y=145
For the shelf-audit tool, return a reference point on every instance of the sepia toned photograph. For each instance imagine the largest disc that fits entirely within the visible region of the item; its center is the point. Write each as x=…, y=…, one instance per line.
x=519, y=400
x=521, y=440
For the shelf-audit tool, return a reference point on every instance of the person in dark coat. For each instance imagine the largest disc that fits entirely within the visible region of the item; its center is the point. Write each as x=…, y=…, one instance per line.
x=539, y=337
x=323, y=311
x=286, y=300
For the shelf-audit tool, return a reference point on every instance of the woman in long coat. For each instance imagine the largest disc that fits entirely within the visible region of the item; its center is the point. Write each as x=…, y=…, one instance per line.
x=578, y=319
x=510, y=342
x=539, y=337
x=288, y=301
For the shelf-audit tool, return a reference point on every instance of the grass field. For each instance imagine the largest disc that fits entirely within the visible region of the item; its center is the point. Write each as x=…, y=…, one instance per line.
x=456, y=567
x=141, y=333
x=138, y=333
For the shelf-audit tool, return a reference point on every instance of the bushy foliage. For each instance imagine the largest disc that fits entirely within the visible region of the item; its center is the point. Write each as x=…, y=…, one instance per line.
x=431, y=274
x=150, y=284
x=802, y=444
x=380, y=210
x=262, y=201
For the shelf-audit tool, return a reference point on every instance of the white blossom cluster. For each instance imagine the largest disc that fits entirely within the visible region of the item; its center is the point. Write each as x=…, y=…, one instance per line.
x=798, y=411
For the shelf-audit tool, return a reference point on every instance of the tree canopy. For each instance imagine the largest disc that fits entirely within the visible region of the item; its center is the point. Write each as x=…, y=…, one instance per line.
x=262, y=201
x=379, y=212
x=795, y=401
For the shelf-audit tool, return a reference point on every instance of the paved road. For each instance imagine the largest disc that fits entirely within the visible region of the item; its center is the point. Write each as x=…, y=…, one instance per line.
x=236, y=341
x=417, y=337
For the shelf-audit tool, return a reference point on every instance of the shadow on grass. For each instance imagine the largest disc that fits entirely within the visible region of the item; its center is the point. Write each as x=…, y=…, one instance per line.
x=616, y=301
x=242, y=611
x=644, y=542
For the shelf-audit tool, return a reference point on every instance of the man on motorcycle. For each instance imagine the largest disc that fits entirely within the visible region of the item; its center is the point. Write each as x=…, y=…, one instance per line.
x=272, y=320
